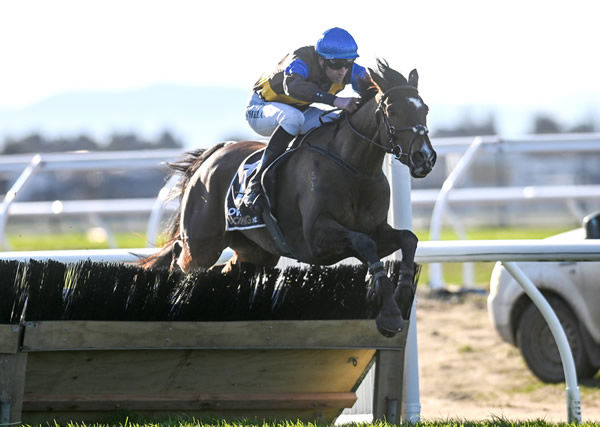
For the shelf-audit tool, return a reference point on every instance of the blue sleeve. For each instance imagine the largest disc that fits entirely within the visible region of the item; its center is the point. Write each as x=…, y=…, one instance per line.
x=358, y=73
x=297, y=66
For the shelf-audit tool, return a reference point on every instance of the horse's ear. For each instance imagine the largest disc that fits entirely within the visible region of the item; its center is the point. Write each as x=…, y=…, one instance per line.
x=413, y=78
x=382, y=65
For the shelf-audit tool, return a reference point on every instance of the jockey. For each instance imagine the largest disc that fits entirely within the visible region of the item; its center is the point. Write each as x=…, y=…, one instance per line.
x=280, y=106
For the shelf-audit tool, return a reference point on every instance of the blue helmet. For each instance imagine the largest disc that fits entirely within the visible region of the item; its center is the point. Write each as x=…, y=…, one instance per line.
x=337, y=43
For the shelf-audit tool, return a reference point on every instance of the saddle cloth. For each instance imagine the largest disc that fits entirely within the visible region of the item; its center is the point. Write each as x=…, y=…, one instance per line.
x=237, y=215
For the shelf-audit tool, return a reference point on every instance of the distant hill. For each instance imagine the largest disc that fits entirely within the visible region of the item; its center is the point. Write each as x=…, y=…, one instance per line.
x=200, y=116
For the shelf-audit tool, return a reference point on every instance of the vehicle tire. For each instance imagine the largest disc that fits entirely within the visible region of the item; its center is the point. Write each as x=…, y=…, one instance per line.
x=539, y=349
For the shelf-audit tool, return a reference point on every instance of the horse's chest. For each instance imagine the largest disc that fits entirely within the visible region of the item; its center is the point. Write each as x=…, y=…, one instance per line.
x=367, y=218
x=363, y=212
x=358, y=204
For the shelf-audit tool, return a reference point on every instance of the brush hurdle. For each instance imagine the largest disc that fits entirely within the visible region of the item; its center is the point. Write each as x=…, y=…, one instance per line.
x=198, y=354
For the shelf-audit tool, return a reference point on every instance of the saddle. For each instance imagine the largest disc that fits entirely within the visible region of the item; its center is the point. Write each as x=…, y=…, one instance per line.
x=241, y=217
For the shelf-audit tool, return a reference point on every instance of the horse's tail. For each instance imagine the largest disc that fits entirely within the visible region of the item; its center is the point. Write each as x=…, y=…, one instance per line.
x=165, y=256
x=187, y=167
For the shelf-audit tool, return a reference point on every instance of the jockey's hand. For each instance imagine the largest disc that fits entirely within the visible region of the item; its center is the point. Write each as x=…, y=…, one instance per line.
x=347, y=104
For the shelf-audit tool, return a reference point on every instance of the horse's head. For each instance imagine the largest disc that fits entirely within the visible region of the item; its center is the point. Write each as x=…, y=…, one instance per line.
x=404, y=119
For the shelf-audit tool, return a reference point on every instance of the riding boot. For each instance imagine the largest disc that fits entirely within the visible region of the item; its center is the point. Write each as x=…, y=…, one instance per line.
x=276, y=147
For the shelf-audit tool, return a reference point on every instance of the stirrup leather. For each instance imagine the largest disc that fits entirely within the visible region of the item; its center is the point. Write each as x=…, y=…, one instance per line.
x=252, y=193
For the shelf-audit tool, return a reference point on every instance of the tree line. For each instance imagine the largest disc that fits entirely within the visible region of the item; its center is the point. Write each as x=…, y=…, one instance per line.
x=542, y=124
x=36, y=143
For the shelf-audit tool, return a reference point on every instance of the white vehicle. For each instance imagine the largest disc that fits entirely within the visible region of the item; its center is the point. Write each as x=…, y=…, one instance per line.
x=572, y=289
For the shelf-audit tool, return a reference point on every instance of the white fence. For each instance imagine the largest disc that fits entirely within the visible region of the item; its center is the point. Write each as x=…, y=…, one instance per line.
x=28, y=166
x=441, y=200
x=544, y=144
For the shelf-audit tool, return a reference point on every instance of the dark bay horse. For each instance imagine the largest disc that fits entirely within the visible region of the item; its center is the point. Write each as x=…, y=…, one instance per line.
x=331, y=197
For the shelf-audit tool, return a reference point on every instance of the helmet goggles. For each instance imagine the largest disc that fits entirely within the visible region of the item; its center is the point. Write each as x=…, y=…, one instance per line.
x=336, y=64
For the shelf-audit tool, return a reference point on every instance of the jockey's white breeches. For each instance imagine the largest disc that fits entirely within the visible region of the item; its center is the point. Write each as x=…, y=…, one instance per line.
x=264, y=117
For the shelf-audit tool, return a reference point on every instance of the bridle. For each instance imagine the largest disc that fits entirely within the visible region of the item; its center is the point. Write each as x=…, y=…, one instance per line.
x=391, y=131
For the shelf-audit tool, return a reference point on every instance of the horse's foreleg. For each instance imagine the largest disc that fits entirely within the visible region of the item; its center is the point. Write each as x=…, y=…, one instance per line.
x=328, y=236
x=390, y=240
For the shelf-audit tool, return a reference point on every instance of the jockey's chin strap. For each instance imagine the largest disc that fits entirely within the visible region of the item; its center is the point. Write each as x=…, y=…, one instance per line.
x=391, y=131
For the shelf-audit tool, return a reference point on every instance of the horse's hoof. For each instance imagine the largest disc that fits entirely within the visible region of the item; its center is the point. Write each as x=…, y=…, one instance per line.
x=390, y=326
x=374, y=298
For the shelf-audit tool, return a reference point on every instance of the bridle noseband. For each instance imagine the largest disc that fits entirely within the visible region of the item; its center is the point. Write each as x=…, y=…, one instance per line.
x=391, y=131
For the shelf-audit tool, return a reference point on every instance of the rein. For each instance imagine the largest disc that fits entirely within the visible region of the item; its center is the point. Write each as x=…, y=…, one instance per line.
x=336, y=159
x=391, y=131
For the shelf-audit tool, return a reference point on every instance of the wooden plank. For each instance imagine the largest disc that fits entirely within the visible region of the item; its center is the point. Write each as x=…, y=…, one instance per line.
x=9, y=338
x=193, y=371
x=187, y=402
x=387, y=393
x=12, y=384
x=89, y=335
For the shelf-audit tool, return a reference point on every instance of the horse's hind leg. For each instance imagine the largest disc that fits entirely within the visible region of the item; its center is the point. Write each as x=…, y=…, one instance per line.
x=176, y=248
x=199, y=253
x=246, y=251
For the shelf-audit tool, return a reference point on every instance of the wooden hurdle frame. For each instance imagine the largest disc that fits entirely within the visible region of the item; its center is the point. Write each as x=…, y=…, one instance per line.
x=91, y=370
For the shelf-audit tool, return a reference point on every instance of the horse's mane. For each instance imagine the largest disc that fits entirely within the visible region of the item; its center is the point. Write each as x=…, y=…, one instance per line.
x=387, y=77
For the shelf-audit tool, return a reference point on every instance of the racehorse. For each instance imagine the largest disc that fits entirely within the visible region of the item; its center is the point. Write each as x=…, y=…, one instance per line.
x=331, y=197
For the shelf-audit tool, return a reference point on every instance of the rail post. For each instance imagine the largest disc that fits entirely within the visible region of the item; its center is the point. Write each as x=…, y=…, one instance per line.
x=11, y=195
x=436, y=281
x=401, y=218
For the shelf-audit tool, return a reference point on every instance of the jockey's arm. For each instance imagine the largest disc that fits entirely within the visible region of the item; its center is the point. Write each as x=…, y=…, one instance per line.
x=299, y=88
x=296, y=85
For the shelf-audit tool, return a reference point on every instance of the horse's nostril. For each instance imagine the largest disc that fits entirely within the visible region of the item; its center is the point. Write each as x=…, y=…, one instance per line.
x=418, y=158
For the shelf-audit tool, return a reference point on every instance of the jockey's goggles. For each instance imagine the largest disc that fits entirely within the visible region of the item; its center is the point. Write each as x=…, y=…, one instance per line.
x=336, y=64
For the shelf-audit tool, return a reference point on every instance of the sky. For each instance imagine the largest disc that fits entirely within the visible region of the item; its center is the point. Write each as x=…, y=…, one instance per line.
x=521, y=53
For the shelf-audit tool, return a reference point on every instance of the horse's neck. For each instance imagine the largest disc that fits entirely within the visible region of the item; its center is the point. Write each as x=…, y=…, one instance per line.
x=358, y=152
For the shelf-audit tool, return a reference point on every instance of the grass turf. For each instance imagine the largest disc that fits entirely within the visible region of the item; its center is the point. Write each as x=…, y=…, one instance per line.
x=452, y=271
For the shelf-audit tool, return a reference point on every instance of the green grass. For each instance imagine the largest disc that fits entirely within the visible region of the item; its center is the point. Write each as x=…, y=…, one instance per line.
x=73, y=240
x=494, y=421
x=452, y=271
x=497, y=233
